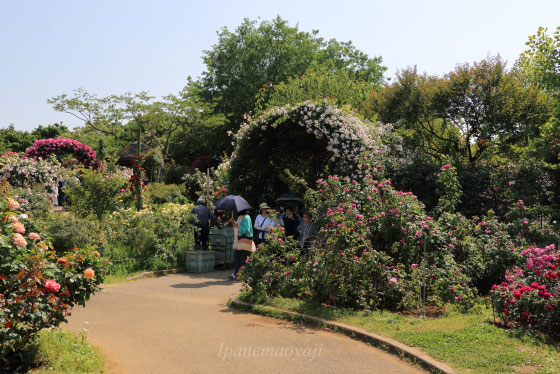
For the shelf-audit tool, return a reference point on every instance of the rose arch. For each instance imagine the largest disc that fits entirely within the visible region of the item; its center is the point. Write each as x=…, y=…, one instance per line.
x=82, y=152
x=307, y=141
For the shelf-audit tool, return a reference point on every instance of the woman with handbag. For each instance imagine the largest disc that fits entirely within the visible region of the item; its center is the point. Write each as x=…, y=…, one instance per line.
x=243, y=241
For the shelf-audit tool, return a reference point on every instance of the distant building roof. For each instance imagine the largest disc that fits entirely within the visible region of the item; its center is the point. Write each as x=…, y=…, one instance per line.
x=128, y=153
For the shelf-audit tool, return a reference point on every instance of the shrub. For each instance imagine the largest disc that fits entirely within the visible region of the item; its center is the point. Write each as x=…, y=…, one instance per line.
x=38, y=288
x=530, y=295
x=67, y=232
x=32, y=200
x=376, y=248
x=154, y=232
x=28, y=171
x=97, y=193
x=160, y=193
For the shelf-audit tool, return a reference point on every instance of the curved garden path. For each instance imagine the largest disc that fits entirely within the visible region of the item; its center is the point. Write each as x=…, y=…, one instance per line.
x=181, y=324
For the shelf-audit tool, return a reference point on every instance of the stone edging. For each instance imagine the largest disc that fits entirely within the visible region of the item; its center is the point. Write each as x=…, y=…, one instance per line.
x=383, y=342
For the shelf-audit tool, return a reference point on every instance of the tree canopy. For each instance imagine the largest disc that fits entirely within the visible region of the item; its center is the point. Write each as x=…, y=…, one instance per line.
x=467, y=112
x=256, y=56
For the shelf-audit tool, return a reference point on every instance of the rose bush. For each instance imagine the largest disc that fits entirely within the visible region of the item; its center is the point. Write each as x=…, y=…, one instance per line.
x=43, y=148
x=370, y=237
x=530, y=294
x=26, y=172
x=38, y=288
x=98, y=193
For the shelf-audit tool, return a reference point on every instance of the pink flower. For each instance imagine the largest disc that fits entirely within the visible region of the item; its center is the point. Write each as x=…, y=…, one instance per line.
x=446, y=166
x=393, y=280
x=34, y=236
x=18, y=227
x=51, y=285
x=414, y=266
x=12, y=204
x=19, y=240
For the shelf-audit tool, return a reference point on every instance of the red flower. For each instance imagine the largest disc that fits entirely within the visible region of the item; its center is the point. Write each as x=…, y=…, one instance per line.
x=7, y=324
x=51, y=285
x=549, y=307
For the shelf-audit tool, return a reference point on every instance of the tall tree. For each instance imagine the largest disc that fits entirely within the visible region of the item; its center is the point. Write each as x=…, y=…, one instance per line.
x=256, y=56
x=540, y=65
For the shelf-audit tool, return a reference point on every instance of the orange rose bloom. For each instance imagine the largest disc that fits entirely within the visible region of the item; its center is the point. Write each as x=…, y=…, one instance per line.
x=18, y=227
x=19, y=240
x=89, y=273
x=12, y=204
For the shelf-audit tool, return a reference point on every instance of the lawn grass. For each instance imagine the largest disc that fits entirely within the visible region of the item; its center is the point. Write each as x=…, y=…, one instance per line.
x=469, y=343
x=64, y=352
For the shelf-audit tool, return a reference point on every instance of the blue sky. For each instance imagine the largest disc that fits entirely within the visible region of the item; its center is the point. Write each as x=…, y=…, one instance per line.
x=116, y=46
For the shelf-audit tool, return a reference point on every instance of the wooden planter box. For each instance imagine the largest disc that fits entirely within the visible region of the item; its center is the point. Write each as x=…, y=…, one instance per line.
x=200, y=261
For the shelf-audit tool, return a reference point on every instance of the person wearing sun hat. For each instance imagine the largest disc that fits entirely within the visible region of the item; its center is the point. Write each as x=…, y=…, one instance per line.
x=263, y=224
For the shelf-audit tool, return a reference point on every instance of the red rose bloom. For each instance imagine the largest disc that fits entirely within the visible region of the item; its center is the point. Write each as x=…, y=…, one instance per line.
x=51, y=285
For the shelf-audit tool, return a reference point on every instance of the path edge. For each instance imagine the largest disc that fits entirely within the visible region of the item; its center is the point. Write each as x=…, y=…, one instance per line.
x=380, y=341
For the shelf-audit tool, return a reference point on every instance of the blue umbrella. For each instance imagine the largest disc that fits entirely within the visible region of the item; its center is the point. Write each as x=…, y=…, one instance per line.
x=232, y=203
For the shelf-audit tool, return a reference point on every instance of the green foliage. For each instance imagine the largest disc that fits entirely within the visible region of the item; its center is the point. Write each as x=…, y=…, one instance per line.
x=464, y=114
x=160, y=193
x=255, y=56
x=97, y=193
x=153, y=237
x=15, y=140
x=541, y=62
x=338, y=86
x=153, y=163
x=450, y=188
x=67, y=232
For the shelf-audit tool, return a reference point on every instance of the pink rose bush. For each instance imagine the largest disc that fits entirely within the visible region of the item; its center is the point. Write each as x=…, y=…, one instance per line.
x=530, y=294
x=43, y=148
x=363, y=255
x=37, y=288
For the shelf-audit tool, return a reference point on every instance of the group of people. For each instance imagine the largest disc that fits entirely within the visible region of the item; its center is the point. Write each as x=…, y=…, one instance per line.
x=249, y=236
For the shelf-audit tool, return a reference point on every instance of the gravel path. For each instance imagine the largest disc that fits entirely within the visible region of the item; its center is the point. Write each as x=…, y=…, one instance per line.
x=181, y=324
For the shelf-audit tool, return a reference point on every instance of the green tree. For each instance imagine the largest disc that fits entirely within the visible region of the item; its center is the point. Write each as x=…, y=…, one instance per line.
x=467, y=113
x=15, y=140
x=256, y=56
x=50, y=131
x=541, y=62
x=106, y=115
x=540, y=65
x=339, y=86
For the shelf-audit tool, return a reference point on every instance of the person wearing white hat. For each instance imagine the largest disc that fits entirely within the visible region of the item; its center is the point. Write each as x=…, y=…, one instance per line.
x=263, y=224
